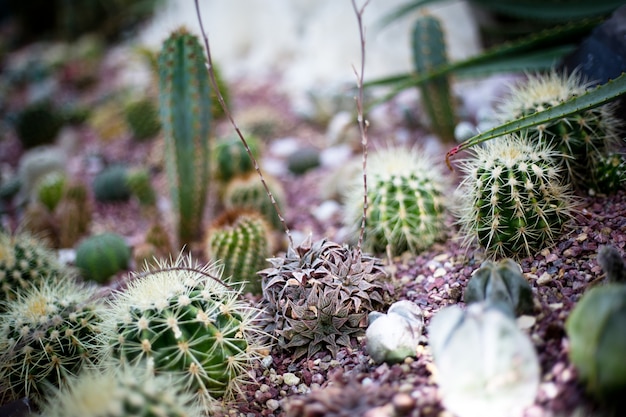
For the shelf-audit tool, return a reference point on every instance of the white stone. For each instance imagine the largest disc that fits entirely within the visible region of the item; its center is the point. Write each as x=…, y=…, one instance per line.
x=290, y=379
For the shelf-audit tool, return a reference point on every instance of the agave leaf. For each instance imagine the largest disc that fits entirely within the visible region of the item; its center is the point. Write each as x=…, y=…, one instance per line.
x=402, y=11
x=591, y=99
x=551, y=10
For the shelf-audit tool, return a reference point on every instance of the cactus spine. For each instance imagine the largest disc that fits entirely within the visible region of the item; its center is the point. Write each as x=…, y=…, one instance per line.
x=185, y=110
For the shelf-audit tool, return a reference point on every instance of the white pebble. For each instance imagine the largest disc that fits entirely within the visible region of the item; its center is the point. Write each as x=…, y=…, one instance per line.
x=290, y=379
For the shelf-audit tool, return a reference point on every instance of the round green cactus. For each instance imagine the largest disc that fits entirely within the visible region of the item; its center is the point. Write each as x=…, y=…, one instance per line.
x=140, y=184
x=232, y=159
x=406, y=202
x=101, y=256
x=142, y=117
x=303, y=159
x=183, y=320
x=111, y=184
x=50, y=189
x=512, y=199
x=47, y=335
x=38, y=124
x=241, y=240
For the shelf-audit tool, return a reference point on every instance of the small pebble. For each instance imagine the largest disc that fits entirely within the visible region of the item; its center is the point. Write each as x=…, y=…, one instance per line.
x=272, y=404
x=290, y=379
x=544, y=279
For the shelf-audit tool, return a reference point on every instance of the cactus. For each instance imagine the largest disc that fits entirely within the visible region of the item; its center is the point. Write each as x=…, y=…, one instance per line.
x=241, y=240
x=36, y=164
x=610, y=173
x=216, y=109
x=140, y=184
x=406, y=202
x=512, y=200
x=73, y=215
x=111, y=184
x=429, y=53
x=50, y=189
x=183, y=320
x=501, y=284
x=485, y=365
x=107, y=120
x=231, y=158
x=101, y=256
x=47, y=335
x=247, y=192
x=38, y=124
x=302, y=160
x=595, y=329
x=142, y=117
x=185, y=111
x=156, y=245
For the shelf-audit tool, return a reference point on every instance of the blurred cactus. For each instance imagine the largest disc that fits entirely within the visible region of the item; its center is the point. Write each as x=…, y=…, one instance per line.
x=156, y=245
x=36, y=164
x=231, y=158
x=247, y=192
x=111, y=184
x=50, y=189
x=101, y=256
x=216, y=109
x=107, y=120
x=142, y=117
x=303, y=160
x=140, y=184
x=73, y=215
x=610, y=173
x=38, y=123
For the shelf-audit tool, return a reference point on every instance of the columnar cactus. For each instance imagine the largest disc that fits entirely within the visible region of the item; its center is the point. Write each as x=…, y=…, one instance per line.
x=73, y=215
x=48, y=334
x=512, y=199
x=183, y=320
x=247, y=192
x=406, y=197
x=241, y=239
x=101, y=256
x=185, y=111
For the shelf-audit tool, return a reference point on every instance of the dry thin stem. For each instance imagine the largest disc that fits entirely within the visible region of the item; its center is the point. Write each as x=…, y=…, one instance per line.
x=363, y=123
x=220, y=99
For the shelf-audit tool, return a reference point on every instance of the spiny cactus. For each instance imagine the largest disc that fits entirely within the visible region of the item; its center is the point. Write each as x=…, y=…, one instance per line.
x=512, y=200
x=101, y=256
x=36, y=164
x=232, y=159
x=609, y=173
x=303, y=159
x=319, y=295
x=142, y=117
x=182, y=319
x=580, y=139
x=156, y=245
x=73, y=215
x=111, y=184
x=50, y=189
x=47, y=335
x=406, y=195
x=185, y=111
x=140, y=184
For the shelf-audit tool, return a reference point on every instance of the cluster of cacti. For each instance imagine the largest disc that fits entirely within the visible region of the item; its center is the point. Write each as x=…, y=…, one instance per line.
x=319, y=295
x=111, y=184
x=101, y=256
x=47, y=335
x=406, y=202
x=247, y=192
x=183, y=320
x=512, y=199
x=50, y=189
x=241, y=240
x=142, y=117
x=38, y=123
x=139, y=183
x=595, y=329
x=156, y=245
x=185, y=112
x=232, y=159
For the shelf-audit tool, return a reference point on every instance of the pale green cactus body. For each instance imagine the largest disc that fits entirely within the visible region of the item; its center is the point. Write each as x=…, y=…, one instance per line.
x=101, y=256
x=247, y=192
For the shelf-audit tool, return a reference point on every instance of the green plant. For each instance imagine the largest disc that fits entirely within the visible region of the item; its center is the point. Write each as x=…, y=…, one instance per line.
x=319, y=295
x=241, y=240
x=406, y=194
x=232, y=159
x=111, y=184
x=182, y=319
x=50, y=189
x=610, y=173
x=34, y=165
x=157, y=245
x=501, y=284
x=38, y=124
x=142, y=117
x=303, y=159
x=512, y=200
x=185, y=110
x=47, y=335
x=216, y=109
x=73, y=215
x=139, y=182
x=101, y=256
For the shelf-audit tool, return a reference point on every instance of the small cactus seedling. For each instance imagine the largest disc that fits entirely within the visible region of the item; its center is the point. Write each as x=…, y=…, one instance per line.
x=47, y=335
x=183, y=320
x=512, y=200
x=142, y=117
x=111, y=184
x=241, y=239
x=406, y=202
x=501, y=284
x=101, y=256
x=485, y=365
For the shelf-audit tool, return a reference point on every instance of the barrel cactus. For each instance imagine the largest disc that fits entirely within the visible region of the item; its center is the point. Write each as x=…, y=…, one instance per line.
x=111, y=184
x=101, y=256
x=50, y=189
x=247, y=192
x=139, y=182
x=142, y=117
x=232, y=159
x=39, y=123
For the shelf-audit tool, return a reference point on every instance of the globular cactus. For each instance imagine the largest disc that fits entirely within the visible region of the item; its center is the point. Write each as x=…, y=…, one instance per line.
x=185, y=112
x=486, y=366
x=111, y=184
x=247, y=192
x=50, y=189
x=581, y=139
x=512, y=199
x=140, y=184
x=156, y=245
x=232, y=159
x=429, y=53
x=142, y=117
x=595, y=329
x=36, y=164
x=38, y=124
x=303, y=159
x=101, y=256
x=501, y=284
x=406, y=199
x=609, y=173
x=121, y=392
x=48, y=334
x=241, y=239
x=183, y=320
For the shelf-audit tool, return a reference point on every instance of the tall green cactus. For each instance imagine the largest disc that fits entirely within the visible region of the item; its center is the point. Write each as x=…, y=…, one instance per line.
x=185, y=110
x=429, y=53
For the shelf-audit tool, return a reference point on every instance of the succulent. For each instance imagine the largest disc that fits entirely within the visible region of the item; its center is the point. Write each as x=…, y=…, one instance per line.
x=156, y=245
x=319, y=295
x=140, y=184
x=50, y=189
x=107, y=120
x=406, y=202
x=610, y=173
x=247, y=192
x=48, y=333
x=580, y=139
x=183, y=320
x=38, y=124
x=111, y=184
x=101, y=256
x=241, y=239
x=512, y=199
x=232, y=159
x=73, y=215
x=501, y=284
x=121, y=392
x=36, y=164
x=216, y=108
x=486, y=366
x=595, y=329
x=302, y=160
x=142, y=117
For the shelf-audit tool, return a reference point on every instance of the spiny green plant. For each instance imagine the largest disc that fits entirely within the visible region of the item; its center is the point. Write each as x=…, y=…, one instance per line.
x=406, y=209
x=73, y=214
x=318, y=296
x=38, y=124
x=303, y=159
x=50, y=189
x=157, y=245
x=139, y=182
x=142, y=117
x=231, y=157
x=241, y=239
x=512, y=199
x=185, y=112
x=184, y=320
x=610, y=173
x=111, y=184
x=48, y=333
x=101, y=256
x=36, y=164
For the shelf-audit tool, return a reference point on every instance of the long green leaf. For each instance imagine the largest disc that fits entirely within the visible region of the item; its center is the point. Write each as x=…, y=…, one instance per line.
x=551, y=10
x=402, y=11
